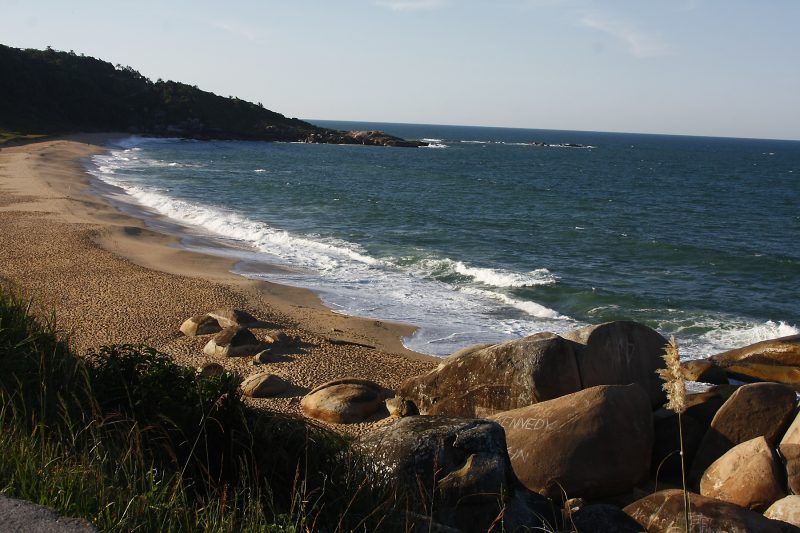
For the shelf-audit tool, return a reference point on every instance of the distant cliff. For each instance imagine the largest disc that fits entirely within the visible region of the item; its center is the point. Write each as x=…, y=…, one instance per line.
x=48, y=91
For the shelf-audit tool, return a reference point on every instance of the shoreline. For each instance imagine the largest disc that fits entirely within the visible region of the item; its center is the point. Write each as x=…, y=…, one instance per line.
x=112, y=279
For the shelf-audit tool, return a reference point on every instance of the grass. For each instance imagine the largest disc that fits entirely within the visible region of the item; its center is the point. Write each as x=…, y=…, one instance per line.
x=7, y=136
x=132, y=442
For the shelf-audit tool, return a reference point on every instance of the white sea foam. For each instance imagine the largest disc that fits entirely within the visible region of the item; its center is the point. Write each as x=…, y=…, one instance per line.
x=436, y=145
x=504, y=278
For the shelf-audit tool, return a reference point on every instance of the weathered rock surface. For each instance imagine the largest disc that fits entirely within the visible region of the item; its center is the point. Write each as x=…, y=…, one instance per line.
x=458, y=467
x=790, y=451
x=344, y=401
x=662, y=512
x=775, y=360
x=757, y=409
x=264, y=385
x=602, y=518
x=704, y=370
x=233, y=341
x=786, y=510
x=666, y=461
x=482, y=380
x=747, y=475
x=618, y=353
x=487, y=379
x=589, y=444
x=27, y=517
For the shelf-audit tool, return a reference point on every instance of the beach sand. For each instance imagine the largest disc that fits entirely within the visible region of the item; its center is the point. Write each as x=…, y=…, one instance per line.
x=110, y=279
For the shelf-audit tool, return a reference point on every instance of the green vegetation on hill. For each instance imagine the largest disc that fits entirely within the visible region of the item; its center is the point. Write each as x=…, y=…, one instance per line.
x=132, y=442
x=49, y=91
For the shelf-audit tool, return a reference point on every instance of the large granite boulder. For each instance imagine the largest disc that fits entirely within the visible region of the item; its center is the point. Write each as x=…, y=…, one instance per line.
x=790, y=451
x=662, y=512
x=457, y=468
x=786, y=510
x=233, y=341
x=747, y=475
x=775, y=360
x=618, y=353
x=344, y=401
x=487, y=379
x=200, y=325
x=482, y=380
x=589, y=444
x=757, y=409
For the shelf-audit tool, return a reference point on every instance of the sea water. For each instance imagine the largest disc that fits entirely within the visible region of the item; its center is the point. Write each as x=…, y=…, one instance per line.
x=492, y=233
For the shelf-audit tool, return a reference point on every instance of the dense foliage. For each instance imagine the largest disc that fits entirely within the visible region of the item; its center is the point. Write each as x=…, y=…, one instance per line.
x=49, y=91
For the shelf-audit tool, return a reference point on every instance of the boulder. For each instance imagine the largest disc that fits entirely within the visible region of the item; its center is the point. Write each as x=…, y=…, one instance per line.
x=482, y=380
x=662, y=512
x=208, y=370
x=219, y=319
x=747, y=475
x=589, y=444
x=775, y=360
x=344, y=401
x=753, y=410
x=618, y=353
x=236, y=317
x=399, y=407
x=264, y=385
x=786, y=510
x=200, y=325
x=790, y=451
x=233, y=341
x=666, y=461
x=602, y=518
x=456, y=467
x=704, y=371
x=487, y=379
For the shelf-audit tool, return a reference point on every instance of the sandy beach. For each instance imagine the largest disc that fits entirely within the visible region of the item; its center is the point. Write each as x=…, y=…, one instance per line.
x=110, y=279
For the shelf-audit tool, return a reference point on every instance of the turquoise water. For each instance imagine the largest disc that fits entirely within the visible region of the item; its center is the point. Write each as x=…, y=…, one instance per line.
x=487, y=236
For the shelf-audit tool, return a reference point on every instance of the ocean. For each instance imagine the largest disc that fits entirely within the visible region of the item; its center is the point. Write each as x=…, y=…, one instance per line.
x=494, y=233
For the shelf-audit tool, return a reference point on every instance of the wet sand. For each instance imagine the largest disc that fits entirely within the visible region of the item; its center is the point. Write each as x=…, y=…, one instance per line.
x=110, y=279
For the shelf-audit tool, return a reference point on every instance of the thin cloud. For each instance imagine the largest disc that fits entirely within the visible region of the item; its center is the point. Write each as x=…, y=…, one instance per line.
x=237, y=29
x=413, y=5
x=639, y=43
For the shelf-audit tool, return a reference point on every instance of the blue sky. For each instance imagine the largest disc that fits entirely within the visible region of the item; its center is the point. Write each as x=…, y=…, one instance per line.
x=698, y=67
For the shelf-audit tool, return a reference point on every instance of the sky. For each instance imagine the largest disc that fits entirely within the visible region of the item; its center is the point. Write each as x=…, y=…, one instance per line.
x=694, y=67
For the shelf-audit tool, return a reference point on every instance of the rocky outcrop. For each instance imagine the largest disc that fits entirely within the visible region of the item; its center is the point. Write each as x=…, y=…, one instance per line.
x=368, y=138
x=233, y=341
x=589, y=444
x=209, y=370
x=200, y=325
x=264, y=385
x=786, y=510
x=747, y=475
x=758, y=409
x=486, y=379
x=457, y=467
x=344, y=401
x=775, y=360
x=662, y=512
x=399, y=407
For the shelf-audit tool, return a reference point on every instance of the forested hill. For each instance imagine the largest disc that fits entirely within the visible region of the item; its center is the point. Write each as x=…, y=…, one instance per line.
x=47, y=91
